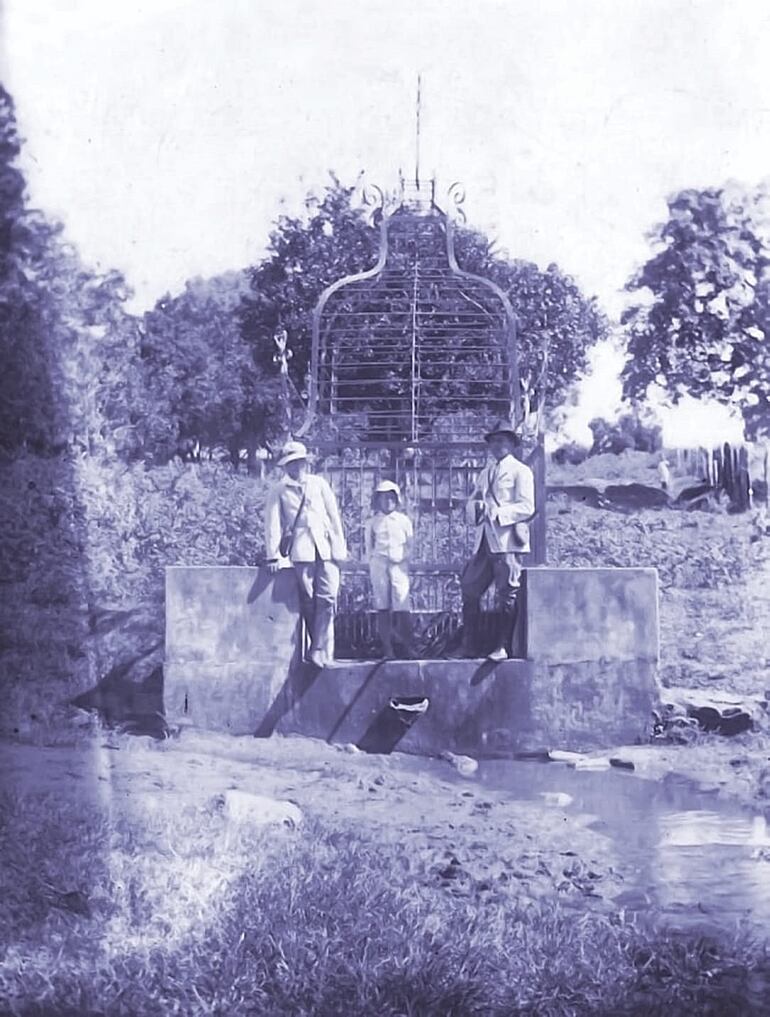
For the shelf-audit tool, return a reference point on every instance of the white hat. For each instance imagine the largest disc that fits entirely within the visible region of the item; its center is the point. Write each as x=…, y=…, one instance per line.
x=292, y=450
x=388, y=487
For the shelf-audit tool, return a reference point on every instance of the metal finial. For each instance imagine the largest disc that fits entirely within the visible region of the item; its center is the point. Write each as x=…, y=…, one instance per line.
x=417, y=138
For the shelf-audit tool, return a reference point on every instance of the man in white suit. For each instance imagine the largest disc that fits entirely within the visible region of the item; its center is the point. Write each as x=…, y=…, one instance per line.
x=303, y=528
x=500, y=507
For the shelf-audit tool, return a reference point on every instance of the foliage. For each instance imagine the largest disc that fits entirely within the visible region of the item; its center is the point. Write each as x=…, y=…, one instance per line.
x=153, y=914
x=629, y=431
x=202, y=385
x=83, y=537
x=67, y=345
x=571, y=453
x=703, y=330
x=557, y=324
x=687, y=556
x=305, y=254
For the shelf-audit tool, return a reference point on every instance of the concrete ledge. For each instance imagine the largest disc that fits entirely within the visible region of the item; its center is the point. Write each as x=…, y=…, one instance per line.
x=581, y=614
x=589, y=680
x=232, y=639
x=476, y=707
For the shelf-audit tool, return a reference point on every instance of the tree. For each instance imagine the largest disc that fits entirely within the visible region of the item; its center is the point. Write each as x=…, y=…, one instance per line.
x=305, y=255
x=633, y=430
x=703, y=330
x=66, y=342
x=557, y=324
x=25, y=393
x=202, y=385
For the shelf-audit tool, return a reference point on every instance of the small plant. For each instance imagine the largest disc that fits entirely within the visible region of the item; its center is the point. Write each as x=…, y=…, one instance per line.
x=150, y=914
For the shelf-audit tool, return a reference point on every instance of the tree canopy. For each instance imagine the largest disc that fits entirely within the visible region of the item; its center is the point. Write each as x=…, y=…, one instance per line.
x=557, y=324
x=703, y=325
x=202, y=386
x=67, y=344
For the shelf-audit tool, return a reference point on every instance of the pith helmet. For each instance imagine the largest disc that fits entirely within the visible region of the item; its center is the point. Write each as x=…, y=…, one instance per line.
x=388, y=487
x=292, y=450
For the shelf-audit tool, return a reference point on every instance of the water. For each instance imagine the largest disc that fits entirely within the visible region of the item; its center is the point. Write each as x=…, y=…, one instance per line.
x=681, y=850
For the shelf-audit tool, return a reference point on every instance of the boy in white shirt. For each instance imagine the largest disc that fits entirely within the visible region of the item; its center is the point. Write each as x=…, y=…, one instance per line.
x=388, y=537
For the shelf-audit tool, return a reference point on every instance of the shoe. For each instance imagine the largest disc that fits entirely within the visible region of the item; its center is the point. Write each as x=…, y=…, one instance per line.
x=499, y=654
x=317, y=658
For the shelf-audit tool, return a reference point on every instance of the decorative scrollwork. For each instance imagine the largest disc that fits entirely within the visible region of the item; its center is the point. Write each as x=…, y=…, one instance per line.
x=456, y=194
x=374, y=199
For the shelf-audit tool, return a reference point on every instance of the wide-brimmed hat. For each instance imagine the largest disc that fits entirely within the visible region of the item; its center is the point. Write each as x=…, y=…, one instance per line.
x=503, y=427
x=388, y=487
x=291, y=451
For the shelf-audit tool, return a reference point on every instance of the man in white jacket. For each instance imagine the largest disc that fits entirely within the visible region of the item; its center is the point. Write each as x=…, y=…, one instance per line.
x=500, y=507
x=301, y=512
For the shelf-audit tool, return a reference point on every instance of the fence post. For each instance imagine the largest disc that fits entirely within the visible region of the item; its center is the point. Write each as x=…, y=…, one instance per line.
x=539, y=527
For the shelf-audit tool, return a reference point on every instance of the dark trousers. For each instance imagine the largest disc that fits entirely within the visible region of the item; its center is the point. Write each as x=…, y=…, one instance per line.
x=485, y=568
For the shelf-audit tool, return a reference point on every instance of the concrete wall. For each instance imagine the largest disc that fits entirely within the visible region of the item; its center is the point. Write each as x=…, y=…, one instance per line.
x=588, y=679
x=232, y=639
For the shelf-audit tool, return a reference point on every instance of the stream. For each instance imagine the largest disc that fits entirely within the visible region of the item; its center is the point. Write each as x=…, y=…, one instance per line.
x=694, y=858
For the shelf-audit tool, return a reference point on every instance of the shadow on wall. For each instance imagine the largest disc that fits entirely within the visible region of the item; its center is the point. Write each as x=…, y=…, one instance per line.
x=44, y=615
x=122, y=701
x=302, y=676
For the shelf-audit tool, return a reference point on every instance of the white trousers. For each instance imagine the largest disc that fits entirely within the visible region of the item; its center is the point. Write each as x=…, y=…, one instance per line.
x=390, y=584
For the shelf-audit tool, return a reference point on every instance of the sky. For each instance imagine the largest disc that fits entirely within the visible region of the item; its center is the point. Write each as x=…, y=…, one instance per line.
x=168, y=135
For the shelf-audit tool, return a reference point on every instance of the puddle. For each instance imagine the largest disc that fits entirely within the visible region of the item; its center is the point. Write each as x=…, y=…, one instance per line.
x=681, y=851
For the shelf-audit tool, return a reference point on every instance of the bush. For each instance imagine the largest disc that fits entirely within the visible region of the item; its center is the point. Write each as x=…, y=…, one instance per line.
x=571, y=454
x=703, y=557
x=629, y=431
x=87, y=538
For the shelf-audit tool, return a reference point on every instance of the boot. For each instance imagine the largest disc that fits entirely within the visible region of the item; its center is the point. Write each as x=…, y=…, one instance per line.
x=403, y=626
x=322, y=635
x=385, y=634
x=502, y=650
x=468, y=648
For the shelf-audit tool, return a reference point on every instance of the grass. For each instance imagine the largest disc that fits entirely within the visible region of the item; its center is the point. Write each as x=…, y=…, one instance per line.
x=119, y=914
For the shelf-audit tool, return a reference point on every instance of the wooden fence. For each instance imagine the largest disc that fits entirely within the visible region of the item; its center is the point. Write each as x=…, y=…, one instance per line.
x=727, y=469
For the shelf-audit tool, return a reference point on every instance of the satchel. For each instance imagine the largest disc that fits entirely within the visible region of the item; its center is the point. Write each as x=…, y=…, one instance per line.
x=287, y=537
x=521, y=534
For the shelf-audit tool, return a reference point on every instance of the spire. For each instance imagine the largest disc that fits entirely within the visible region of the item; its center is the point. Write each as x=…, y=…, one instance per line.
x=417, y=134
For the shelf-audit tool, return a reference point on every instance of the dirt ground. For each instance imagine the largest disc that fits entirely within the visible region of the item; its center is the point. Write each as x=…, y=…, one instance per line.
x=713, y=637
x=448, y=821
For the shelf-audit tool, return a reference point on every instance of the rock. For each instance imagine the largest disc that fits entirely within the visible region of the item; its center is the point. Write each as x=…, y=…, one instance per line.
x=464, y=765
x=558, y=798
x=242, y=808
x=635, y=496
x=563, y=756
x=714, y=710
x=621, y=764
x=583, y=493
x=593, y=763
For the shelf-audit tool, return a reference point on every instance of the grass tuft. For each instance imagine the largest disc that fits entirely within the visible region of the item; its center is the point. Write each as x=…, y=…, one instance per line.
x=314, y=922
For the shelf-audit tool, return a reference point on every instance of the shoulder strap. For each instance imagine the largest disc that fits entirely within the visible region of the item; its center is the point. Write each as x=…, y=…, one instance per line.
x=299, y=510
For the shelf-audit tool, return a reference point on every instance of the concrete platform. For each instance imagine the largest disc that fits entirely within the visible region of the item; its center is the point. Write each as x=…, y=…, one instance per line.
x=587, y=678
x=232, y=639
x=475, y=707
